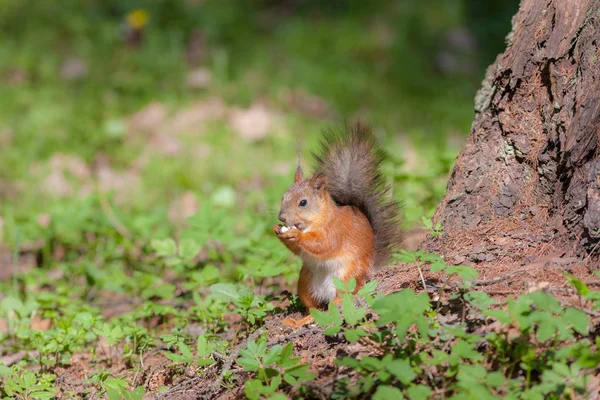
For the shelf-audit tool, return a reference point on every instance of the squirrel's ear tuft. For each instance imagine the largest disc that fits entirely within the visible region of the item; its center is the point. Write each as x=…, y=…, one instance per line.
x=298, y=175
x=318, y=181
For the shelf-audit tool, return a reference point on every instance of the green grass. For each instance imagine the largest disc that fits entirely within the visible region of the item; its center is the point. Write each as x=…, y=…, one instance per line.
x=119, y=280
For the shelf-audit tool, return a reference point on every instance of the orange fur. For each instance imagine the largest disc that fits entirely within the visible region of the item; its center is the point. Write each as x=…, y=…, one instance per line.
x=338, y=232
x=341, y=221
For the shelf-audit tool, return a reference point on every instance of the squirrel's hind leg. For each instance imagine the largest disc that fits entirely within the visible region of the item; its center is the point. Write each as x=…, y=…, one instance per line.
x=297, y=323
x=305, y=297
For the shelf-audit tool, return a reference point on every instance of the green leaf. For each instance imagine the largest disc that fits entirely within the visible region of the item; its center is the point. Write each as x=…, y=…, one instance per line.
x=321, y=318
x=546, y=329
x=290, y=379
x=437, y=267
x=354, y=335
x=11, y=387
x=185, y=350
x=164, y=247
x=419, y=392
x=203, y=347
x=406, y=256
x=188, y=248
x=495, y=379
x=501, y=315
x=367, y=288
x=279, y=396
x=335, y=315
x=272, y=356
x=578, y=319
x=351, y=313
x=580, y=287
x=432, y=258
x=402, y=370
x=11, y=303
x=202, y=362
x=248, y=364
x=225, y=291
x=427, y=222
x=138, y=393
x=404, y=305
x=351, y=285
x=333, y=330
x=29, y=379
x=178, y=358
x=5, y=371
x=545, y=302
x=286, y=353
x=466, y=273
x=339, y=284
x=253, y=389
x=42, y=395
x=224, y=196
x=384, y=392
x=113, y=394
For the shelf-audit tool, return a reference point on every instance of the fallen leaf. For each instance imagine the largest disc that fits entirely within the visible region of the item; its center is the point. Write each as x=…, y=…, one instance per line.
x=307, y=104
x=70, y=163
x=412, y=161
x=56, y=184
x=537, y=286
x=183, y=207
x=149, y=119
x=123, y=183
x=166, y=144
x=74, y=68
x=198, y=78
x=196, y=48
x=202, y=151
x=194, y=117
x=40, y=324
x=6, y=137
x=252, y=124
x=44, y=220
x=15, y=76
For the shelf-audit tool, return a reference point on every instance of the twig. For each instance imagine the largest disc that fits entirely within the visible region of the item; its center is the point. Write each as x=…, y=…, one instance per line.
x=295, y=335
x=591, y=252
x=11, y=359
x=422, y=278
x=590, y=312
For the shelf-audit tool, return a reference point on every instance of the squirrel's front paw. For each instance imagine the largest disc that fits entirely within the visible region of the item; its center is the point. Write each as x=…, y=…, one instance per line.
x=285, y=233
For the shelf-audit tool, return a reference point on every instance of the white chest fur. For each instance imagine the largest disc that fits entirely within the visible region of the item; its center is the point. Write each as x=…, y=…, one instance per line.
x=322, y=273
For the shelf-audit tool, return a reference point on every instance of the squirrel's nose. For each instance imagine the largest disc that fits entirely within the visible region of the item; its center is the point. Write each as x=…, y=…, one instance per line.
x=281, y=217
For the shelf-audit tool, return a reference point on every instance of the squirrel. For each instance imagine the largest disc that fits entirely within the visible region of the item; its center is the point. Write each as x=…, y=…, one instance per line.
x=340, y=222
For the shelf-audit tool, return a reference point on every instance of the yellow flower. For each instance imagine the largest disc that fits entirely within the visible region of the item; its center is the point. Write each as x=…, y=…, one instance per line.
x=137, y=19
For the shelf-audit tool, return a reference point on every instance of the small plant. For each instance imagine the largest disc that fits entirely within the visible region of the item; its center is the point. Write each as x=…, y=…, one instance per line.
x=26, y=384
x=434, y=230
x=272, y=368
x=204, y=351
x=116, y=389
x=251, y=307
x=354, y=316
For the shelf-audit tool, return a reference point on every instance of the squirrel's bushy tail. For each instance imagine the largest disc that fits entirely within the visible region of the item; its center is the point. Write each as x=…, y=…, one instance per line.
x=351, y=160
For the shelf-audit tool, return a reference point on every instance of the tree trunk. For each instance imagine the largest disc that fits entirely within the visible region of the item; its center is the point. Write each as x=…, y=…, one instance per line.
x=527, y=183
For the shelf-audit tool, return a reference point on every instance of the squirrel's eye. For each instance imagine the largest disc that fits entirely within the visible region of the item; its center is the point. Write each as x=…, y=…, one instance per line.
x=302, y=203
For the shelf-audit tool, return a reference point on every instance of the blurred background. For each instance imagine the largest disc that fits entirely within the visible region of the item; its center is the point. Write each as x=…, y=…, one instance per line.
x=126, y=117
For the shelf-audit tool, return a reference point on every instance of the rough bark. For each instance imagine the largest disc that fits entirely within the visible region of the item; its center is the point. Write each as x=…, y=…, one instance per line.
x=527, y=182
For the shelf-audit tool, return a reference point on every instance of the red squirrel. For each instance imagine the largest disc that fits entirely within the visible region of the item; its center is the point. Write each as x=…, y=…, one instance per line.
x=340, y=222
